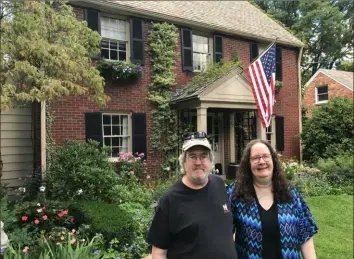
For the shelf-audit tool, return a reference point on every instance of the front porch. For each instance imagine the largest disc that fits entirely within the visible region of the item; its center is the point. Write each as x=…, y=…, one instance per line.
x=226, y=111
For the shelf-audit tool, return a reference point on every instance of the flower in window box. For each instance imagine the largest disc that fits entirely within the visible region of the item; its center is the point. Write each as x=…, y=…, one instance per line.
x=120, y=71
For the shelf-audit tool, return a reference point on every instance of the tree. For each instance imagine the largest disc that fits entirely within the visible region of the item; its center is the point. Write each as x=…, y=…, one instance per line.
x=325, y=26
x=329, y=131
x=345, y=66
x=46, y=53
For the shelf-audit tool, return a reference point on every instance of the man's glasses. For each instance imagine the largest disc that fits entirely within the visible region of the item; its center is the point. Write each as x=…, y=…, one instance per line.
x=257, y=159
x=194, y=158
x=191, y=135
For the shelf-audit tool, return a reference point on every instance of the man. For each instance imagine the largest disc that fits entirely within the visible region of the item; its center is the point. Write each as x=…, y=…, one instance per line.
x=193, y=219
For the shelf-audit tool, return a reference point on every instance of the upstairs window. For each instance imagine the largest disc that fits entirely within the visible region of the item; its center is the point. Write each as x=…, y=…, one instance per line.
x=200, y=52
x=114, y=38
x=321, y=94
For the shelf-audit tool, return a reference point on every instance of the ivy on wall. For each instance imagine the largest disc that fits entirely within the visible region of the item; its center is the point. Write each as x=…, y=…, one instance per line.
x=163, y=42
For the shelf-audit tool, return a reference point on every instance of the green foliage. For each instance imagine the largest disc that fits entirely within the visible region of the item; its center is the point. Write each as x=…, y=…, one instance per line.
x=278, y=85
x=46, y=52
x=329, y=131
x=212, y=73
x=338, y=170
x=108, y=219
x=346, y=66
x=162, y=43
x=131, y=193
x=129, y=164
x=162, y=186
x=119, y=70
x=80, y=171
x=291, y=168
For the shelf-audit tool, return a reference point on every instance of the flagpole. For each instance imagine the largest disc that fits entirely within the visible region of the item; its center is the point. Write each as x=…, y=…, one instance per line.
x=264, y=51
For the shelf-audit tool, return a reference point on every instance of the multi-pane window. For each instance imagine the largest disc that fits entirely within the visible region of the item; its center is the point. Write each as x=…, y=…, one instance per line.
x=114, y=39
x=115, y=132
x=200, y=52
x=322, y=94
x=269, y=133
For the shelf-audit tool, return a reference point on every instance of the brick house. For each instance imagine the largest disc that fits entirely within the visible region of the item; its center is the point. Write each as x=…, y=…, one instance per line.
x=326, y=84
x=225, y=109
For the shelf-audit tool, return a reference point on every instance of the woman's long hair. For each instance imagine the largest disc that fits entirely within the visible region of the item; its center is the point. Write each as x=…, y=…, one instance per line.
x=244, y=180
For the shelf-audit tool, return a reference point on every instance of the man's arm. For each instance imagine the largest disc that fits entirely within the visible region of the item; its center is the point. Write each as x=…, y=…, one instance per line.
x=158, y=253
x=308, y=249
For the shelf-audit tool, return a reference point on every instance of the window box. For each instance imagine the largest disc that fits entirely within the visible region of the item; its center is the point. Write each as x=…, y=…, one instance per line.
x=119, y=71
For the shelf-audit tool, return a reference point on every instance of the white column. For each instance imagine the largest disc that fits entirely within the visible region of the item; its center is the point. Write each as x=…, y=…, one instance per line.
x=261, y=132
x=202, y=119
x=232, y=137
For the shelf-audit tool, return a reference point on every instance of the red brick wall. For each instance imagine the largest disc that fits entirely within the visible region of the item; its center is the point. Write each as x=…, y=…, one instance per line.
x=335, y=89
x=70, y=112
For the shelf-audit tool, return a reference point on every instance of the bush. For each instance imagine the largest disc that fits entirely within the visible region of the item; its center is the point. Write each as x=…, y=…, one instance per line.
x=329, y=132
x=107, y=219
x=132, y=164
x=76, y=168
x=134, y=193
x=162, y=186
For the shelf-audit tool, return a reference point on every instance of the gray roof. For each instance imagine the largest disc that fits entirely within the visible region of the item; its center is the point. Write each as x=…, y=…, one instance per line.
x=343, y=77
x=231, y=17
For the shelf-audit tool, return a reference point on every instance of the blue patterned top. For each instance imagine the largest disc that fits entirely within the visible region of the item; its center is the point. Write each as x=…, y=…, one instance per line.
x=296, y=225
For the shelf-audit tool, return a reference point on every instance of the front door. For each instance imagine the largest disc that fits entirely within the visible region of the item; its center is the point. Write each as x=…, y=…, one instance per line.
x=214, y=130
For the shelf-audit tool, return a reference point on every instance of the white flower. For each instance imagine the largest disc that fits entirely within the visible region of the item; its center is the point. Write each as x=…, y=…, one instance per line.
x=39, y=210
x=79, y=191
x=22, y=189
x=38, y=204
x=42, y=188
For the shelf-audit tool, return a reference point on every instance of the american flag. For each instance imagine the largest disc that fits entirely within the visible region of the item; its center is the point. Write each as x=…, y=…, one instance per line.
x=261, y=75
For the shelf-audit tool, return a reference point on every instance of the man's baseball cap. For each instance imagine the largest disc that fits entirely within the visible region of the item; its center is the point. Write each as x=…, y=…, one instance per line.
x=196, y=139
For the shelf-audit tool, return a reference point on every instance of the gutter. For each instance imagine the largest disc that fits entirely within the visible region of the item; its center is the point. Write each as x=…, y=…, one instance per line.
x=164, y=17
x=300, y=100
x=43, y=139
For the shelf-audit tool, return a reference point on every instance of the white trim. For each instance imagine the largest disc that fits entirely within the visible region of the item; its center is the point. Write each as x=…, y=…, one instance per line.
x=324, y=72
x=316, y=94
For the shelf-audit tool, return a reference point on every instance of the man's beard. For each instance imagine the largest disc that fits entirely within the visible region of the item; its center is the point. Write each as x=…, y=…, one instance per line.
x=199, y=180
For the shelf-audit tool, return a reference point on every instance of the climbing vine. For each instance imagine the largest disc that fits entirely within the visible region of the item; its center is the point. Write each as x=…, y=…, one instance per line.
x=49, y=114
x=163, y=43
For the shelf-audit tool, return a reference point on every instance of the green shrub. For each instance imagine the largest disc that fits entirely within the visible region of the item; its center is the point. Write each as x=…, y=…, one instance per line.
x=136, y=193
x=162, y=186
x=339, y=169
x=77, y=168
x=329, y=132
x=107, y=219
x=132, y=164
x=291, y=168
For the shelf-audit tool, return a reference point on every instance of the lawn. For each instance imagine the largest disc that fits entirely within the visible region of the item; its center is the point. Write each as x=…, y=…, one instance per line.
x=334, y=217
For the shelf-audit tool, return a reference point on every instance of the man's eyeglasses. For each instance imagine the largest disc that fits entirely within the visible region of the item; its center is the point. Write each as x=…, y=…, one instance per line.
x=194, y=158
x=191, y=135
x=257, y=159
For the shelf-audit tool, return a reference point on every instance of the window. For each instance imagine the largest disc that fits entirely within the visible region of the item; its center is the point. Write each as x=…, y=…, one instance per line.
x=253, y=51
x=114, y=38
x=322, y=94
x=278, y=64
x=269, y=133
x=115, y=132
x=200, y=52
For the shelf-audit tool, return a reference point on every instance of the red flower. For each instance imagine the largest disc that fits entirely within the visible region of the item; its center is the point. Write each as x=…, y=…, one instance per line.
x=65, y=212
x=44, y=208
x=71, y=220
x=60, y=214
x=44, y=217
x=36, y=221
x=24, y=218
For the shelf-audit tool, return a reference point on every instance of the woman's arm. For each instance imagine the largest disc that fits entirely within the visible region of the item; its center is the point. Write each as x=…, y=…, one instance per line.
x=158, y=253
x=308, y=249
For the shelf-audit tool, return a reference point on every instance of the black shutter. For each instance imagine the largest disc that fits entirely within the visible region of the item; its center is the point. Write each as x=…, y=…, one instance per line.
x=253, y=50
x=279, y=133
x=137, y=41
x=187, y=49
x=218, y=48
x=93, y=123
x=139, y=133
x=93, y=20
x=279, y=64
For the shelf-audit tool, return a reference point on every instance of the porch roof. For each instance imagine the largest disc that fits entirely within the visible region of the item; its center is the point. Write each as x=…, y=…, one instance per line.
x=229, y=91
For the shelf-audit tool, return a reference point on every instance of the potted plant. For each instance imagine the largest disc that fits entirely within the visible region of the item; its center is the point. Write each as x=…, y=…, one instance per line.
x=120, y=71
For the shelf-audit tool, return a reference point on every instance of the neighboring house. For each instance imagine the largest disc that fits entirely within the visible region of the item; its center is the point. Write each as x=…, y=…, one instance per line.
x=326, y=84
x=224, y=109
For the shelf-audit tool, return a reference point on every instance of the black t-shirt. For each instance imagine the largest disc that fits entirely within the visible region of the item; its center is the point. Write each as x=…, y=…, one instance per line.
x=194, y=224
x=270, y=232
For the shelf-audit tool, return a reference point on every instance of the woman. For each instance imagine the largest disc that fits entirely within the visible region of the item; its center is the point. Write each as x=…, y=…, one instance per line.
x=272, y=220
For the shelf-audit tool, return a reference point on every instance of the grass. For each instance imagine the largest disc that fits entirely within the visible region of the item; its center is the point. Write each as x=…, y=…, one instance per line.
x=334, y=218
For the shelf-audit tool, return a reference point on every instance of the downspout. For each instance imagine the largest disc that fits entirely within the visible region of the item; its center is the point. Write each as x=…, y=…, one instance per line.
x=300, y=99
x=43, y=139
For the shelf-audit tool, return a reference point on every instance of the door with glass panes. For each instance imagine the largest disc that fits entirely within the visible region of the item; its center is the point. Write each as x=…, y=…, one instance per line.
x=214, y=129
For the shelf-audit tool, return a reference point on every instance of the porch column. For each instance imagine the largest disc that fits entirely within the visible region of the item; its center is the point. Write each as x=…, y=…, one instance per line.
x=232, y=137
x=261, y=132
x=202, y=119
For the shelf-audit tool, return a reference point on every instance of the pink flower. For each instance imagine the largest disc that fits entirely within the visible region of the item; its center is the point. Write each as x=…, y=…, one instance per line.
x=39, y=210
x=25, y=249
x=148, y=177
x=73, y=230
x=131, y=172
x=44, y=208
x=71, y=220
x=73, y=241
x=65, y=212
x=24, y=86
x=24, y=218
x=60, y=214
x=44, y=217
x=36, y=221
